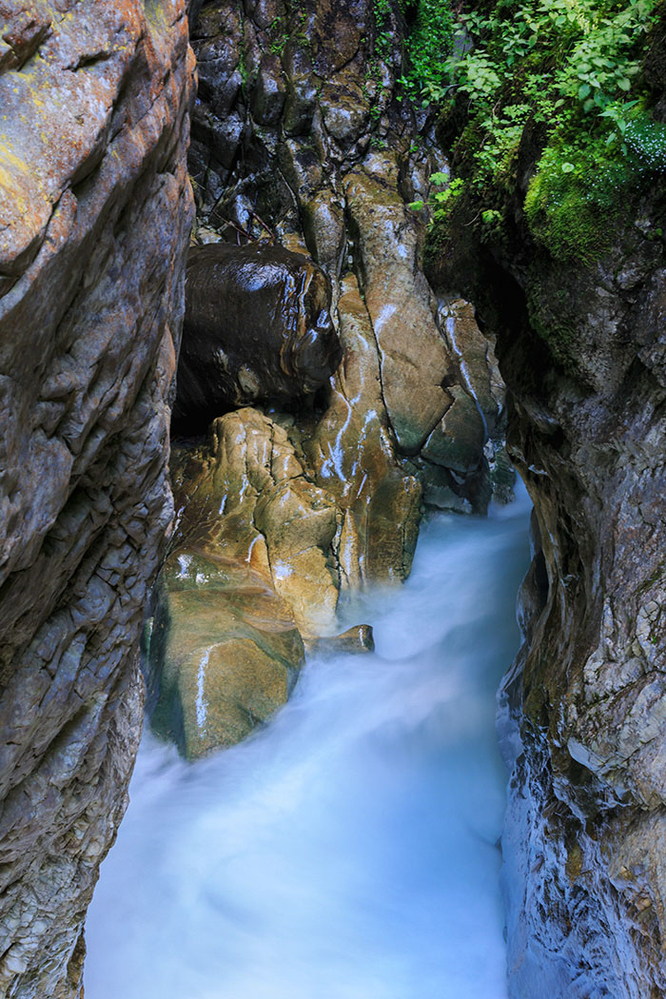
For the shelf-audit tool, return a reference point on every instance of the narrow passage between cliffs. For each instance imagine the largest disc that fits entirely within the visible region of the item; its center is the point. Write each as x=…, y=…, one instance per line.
x=349, y=849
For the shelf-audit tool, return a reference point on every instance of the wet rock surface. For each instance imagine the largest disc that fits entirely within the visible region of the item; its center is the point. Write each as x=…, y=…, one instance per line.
x=582, y=711
x=300, y=136
x=300, y=143
x=353, y=452
x=223, y=651
x=257, y=328
x=249, y=574
x=95, y=206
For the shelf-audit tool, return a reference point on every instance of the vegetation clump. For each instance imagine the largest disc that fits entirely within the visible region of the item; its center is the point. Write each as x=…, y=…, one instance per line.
x=565, y=75
x=428, y=44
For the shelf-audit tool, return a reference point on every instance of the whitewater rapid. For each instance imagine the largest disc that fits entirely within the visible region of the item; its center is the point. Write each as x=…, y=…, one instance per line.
x=349, y=849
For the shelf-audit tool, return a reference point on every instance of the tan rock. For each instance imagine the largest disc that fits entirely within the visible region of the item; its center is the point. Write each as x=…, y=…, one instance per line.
x=476, y=361
x=248, y=572
x=414, y=359
x=224, y=652
x=352, y=453
x=457, y=440
x=354, y=641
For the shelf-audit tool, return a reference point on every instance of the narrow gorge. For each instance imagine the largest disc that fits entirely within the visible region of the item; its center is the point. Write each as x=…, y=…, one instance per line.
x=408, y=248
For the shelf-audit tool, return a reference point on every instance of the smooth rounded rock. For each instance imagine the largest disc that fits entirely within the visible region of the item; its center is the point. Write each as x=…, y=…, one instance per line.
x=257, y=327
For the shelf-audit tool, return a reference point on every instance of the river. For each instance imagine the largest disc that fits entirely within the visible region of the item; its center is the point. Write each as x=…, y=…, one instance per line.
x=349, y=849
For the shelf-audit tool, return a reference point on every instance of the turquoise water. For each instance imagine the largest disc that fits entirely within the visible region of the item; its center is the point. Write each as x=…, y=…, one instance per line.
x=348, y=850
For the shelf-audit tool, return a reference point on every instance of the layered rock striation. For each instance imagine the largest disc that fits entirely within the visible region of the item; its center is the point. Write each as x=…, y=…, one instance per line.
x=95, y=212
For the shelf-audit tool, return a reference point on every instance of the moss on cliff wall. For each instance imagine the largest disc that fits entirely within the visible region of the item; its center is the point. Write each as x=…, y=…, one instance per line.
x=556, y=128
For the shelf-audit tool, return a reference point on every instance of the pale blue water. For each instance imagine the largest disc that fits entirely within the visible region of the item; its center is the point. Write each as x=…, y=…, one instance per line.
x=347, y=851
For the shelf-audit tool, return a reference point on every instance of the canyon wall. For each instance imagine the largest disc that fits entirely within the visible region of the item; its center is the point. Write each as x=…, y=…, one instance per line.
x=582, y=348
x=95, y=213
x=303, y=138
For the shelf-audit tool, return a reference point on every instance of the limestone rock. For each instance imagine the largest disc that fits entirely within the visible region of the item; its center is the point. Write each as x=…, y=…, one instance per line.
x=223, y=652
x=257, y=326
x=414, y=357
x=352, y=453
x=474, y=355
x=338, y=169
x=358, y=639
x=457, y=440
x=95, y=209
x=250, y=570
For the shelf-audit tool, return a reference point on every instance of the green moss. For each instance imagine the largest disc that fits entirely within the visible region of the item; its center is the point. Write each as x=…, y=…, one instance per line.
x=560, y=82
x=582, y=183
x=564, y=222
x=553, y=325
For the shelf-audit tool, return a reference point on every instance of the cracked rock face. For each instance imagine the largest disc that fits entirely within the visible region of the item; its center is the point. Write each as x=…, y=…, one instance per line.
x=249, y=574
x=299, y=135
x=301, y=144
x=95, y=209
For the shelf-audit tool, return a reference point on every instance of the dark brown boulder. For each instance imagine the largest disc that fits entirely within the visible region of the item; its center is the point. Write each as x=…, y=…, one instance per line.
x=257, y=327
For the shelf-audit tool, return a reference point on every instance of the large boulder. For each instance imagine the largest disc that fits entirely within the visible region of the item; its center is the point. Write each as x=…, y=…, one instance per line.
x=250, y=572
x=257, y=327
x=223, y=651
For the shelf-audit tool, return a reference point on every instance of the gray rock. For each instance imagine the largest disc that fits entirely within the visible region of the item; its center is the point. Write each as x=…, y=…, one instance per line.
x=98, y=219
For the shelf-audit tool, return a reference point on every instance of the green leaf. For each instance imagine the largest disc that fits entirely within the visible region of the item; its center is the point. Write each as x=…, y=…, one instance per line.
x=623, y=83
x=439, y=178
x=568, y=167
x=415, y=206
x=584, y=90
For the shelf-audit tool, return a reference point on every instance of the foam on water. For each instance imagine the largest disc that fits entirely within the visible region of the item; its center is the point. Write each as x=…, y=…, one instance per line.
x=348, y=850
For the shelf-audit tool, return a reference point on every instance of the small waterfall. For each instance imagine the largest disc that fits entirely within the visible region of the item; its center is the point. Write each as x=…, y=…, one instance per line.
x=349, y=849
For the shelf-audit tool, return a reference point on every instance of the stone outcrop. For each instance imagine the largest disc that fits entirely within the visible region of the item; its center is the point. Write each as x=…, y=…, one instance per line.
x=257, y=328
x=250, y=572
x=301, y=142
x=583, y=352
x=301, y=136
x=352, y=452
x=95, y=210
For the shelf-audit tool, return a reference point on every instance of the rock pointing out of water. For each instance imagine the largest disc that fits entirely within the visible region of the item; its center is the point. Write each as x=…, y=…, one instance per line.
x=249, y=573
x=257, y=327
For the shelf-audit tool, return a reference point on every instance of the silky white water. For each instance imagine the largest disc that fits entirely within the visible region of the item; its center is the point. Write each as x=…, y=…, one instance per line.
x=348, y=850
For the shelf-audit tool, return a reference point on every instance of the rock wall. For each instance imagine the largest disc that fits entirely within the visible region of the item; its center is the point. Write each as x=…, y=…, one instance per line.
x=302, y=138
x=583, y=720
x=95, y=212
x=301, y=134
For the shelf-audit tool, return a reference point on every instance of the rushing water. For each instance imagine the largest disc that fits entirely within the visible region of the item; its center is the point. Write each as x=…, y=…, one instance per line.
x=348, y=850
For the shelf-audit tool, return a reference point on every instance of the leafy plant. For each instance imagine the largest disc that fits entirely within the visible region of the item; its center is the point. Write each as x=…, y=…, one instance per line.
x=427, y=46
x=571, y=69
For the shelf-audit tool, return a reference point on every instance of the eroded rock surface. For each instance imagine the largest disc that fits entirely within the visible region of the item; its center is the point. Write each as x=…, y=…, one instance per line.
x=353, y=453
x=257, y=328
x=583, y=353
x=250, y=573
x=299, y=136
x=95, y=208
x=301, y=143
